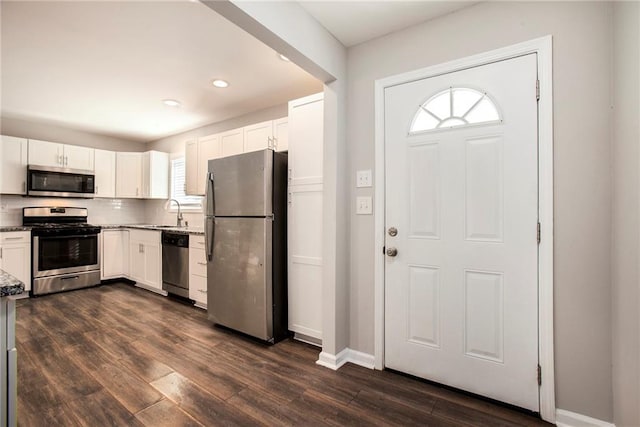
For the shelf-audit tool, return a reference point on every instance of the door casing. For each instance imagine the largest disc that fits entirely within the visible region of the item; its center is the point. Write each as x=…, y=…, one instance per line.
x=543, y=48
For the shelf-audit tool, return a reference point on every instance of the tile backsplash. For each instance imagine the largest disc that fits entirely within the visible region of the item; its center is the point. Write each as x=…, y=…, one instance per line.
x=101, y=211
x=155, y=213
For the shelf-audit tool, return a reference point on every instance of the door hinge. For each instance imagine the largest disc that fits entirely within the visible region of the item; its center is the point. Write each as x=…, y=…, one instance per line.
x=538, y=233
x=539, y=375
x=537, y=90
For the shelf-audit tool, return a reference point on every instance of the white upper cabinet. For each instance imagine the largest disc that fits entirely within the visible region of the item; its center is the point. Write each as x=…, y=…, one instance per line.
x=155, y=175
x=142, y=175
x=129, y=175
x=208, y=148
x=281, y=134
x=53, y=154
x=191, y=165
x=78, y=157
x=105, y=172
x=258, y=137
x=13, y=165
x=231, y=142
x=197, y=155
x=43, y=153
x=306, y=125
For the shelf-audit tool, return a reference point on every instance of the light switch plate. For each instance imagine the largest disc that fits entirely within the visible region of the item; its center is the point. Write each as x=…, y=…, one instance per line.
x=363, y=178
x=364, y=205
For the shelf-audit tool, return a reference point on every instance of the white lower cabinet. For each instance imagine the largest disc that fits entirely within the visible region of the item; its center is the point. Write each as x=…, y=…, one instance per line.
x=114, y=255
x=197, y=271
x=15, y=255
x=145, y=259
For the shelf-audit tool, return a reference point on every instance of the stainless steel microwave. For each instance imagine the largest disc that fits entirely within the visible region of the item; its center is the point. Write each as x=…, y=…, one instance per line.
x=60, y=182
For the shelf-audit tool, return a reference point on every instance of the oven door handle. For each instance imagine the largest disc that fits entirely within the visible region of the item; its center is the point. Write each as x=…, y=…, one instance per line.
x=71, y=236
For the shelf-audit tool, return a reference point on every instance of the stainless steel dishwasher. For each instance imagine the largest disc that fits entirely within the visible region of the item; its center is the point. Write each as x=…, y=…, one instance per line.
x=175, y=263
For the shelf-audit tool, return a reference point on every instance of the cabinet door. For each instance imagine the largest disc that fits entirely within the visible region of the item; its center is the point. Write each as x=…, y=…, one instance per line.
x=208, y=148
x=78, y=157
x=306, y=140
x=105, y=170
x=191, y=165
x=281, y=134
x=13, y=165
x=136, y=261
x=156, y=175
x=128, y=175
x=231, y=142
x=304, y=235
x=258, y=137
x=43, y=153
x=16, y=260
x=153, y=265
x=113, y=254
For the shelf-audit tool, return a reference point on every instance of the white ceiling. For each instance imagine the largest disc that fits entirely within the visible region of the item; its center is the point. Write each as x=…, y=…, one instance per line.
x=104, y=67
x=354, y=22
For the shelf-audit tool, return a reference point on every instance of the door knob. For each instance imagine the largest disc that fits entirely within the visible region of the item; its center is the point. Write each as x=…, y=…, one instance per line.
x=392, y=252
x=393, y=231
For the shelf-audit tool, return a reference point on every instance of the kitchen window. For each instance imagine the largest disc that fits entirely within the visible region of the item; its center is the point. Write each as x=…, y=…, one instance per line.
x=178, y=186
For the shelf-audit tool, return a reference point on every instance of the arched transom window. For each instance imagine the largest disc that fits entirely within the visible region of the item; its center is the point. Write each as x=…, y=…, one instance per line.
x=454, y=107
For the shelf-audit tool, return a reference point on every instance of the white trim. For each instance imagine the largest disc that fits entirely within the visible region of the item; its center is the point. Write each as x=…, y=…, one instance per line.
x=543, y=48
x=151, y=289
x=571, y=419
x=347, y=355
x=359, y=358
x=333, y=361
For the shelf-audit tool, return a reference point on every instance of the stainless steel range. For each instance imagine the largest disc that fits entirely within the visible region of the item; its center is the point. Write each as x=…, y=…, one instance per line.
x=66, y=250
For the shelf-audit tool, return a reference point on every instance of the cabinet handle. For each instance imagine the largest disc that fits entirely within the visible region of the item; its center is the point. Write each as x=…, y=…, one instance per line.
x=0, y=252
x=97, y=191
x=24, y=186
x=202, y=290
x=14, y=238
x=289, y=175
x=60, y=160
x=289, y=197
x=66, y=160
x=202, y=263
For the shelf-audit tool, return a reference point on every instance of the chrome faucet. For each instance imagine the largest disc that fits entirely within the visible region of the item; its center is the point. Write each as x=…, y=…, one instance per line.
x=179, y=218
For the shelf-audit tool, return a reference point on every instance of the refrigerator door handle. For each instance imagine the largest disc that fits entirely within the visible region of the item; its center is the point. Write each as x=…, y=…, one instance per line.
x=209, y=236
x=210, y=199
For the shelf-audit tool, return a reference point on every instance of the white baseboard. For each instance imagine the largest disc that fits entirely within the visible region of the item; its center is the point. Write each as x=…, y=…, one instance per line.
x=571, y=419
x=347, y=355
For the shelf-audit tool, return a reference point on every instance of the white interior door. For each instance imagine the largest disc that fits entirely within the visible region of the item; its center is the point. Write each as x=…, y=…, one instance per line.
x=462, y=192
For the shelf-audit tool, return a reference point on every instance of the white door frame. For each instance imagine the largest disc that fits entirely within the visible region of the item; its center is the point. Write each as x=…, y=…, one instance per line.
x=543, y=47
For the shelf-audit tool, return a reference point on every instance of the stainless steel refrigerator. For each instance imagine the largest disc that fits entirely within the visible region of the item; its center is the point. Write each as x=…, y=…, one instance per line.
x=246, y=243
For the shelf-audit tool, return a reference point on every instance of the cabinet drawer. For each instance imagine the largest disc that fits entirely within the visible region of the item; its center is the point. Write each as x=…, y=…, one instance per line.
x=197, y=262
x=196, y=241
x=15, y=237
x=198, y=289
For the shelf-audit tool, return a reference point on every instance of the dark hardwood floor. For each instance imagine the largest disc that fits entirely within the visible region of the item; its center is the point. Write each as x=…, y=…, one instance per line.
x=117, y=355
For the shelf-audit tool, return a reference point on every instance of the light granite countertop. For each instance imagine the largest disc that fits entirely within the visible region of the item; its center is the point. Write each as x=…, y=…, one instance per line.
x=7, y=228
x=9, y=285
x=173, y=229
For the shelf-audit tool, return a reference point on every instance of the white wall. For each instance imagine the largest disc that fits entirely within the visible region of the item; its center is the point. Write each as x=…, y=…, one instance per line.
x=582, y=37
x=49, y=132
x=626, y=214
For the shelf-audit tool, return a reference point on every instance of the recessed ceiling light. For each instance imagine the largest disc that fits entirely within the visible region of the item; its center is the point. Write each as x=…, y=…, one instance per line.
x=220, y=83
x=171, y=102
x=284, y=58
